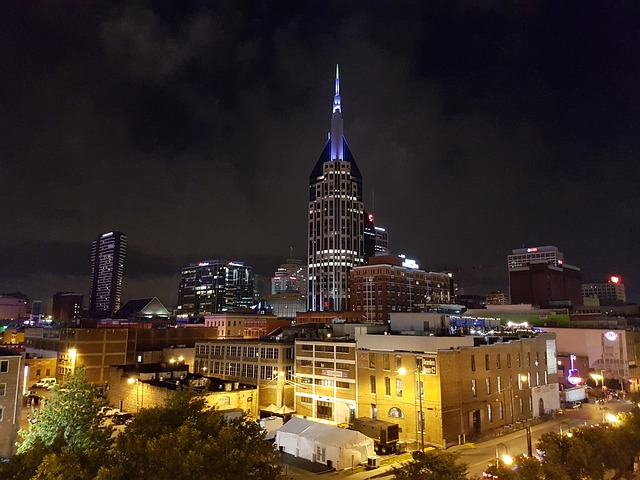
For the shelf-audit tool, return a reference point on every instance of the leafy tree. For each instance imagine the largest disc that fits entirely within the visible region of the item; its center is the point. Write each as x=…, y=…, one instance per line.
x=186, y=439
x=433, y=465
x=67, y=436
x=70, y=421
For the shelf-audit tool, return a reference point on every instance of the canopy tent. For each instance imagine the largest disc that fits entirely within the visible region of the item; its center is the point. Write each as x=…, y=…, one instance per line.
x=318, y=442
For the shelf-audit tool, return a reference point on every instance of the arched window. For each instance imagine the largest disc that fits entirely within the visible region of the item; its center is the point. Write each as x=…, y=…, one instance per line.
x=396, y=413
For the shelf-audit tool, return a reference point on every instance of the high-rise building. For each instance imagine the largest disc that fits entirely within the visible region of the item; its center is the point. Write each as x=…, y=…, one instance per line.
x=291, y=277
x=214, y=286
x=611, y=292
x=539, y=276
x=382, y=240
x=107, y=269
x=336, y=218
x=67, y=305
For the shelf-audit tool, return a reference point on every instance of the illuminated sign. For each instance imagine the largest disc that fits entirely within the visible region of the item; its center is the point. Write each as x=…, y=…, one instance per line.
x=574, y=375
x=532, y=250
x=611, y=336
x=371, y=217
x=614, y=279
x=106, y=234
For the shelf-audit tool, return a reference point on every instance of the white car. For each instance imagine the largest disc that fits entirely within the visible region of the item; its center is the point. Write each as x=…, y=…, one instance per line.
x=109, y=411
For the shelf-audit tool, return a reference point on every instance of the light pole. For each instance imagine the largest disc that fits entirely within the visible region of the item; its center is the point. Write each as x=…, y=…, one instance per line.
x=506, y=458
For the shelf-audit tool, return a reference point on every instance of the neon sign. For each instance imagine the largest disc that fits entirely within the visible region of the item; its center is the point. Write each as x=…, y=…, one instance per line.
x=614, y=279
x=611, y=336
x=574, y=375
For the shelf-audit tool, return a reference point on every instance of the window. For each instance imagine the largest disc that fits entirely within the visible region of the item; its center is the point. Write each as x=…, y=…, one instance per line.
x=528, y=359
x=420, y=388
x=372, y=384
x=372, y=360
x=489, y=412
x=501, y=410
x=387, y=386
x=1, y=413
x=3, y=389
x=398, y=362
x=395, y=412
x=398, y=387
x=473, y=387
x=498, y=361
x=486, y=362
x=473, y=363
x=307, y=400
x=306, y=348
x=499, y=384
x=345, y=385
x=342, y=349
x=488, y=383
x=508, y=360
x=518, y=360
x=385, y=362
x=4, y=366
x=325, y=410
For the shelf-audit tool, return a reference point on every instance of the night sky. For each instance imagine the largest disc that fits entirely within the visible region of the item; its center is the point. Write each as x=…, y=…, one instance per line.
x=478, y=128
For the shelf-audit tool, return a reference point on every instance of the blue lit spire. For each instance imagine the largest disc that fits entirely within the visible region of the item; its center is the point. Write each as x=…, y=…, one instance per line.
x=337, y=140
x=336, y=98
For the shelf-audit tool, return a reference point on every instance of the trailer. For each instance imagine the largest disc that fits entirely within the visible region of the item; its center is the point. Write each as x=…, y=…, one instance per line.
x=385, y=435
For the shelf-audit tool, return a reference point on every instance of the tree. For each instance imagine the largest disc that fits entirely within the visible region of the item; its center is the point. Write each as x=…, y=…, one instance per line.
x=70, y=421
x=433, y=465
x=186, y=439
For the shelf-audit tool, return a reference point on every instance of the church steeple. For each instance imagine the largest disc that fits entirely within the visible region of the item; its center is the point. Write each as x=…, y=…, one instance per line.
x=337, y=141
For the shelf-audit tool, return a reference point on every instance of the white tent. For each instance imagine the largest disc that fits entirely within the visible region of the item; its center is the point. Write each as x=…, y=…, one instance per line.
x=317, y=442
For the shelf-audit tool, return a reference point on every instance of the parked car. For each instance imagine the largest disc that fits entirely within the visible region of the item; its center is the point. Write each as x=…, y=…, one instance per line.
x=122, y=418
x=576, y=405
x=46, y=383
x=109, y=411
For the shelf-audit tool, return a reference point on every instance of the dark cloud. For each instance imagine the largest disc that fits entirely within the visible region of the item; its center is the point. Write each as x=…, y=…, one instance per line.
x=479, y=127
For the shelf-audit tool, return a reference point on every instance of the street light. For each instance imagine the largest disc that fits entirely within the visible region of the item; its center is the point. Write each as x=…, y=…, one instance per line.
x=131, y=381
x=506, y=458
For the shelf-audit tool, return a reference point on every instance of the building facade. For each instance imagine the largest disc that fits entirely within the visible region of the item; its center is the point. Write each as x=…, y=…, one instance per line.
x=335, y=219
x=214, y=286
x=67, y=305
x=326, y=381
x=539, y=276
x=444, y=391
x=11, y=389
x=385, y=286
x=107, y=269
x=267, y=364
x=291, y=277
x=611, y=292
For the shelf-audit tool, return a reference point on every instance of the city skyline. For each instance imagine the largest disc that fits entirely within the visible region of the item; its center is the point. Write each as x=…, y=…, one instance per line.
x=192, y=129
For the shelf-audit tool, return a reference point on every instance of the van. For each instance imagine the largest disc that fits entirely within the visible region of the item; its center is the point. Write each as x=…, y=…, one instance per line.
x=48, y=383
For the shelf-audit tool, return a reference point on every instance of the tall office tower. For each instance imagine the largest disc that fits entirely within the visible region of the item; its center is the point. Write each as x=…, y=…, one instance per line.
x=107, y=268
x=336, y=219
x=291, y=277
x=539, y=276
x=608, y=293
x=382, y=241
x=369, y=236
x=214, y=286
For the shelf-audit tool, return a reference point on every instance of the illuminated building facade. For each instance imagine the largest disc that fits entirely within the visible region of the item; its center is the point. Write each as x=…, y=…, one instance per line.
x=214, y=286
x=107, y=269
x=608, y=293
x=336, y=219
x=394, y=284
x=439, y=389
x=291, y=277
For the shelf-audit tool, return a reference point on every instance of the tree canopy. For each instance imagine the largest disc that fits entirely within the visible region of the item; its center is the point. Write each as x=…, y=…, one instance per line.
x=184, y=438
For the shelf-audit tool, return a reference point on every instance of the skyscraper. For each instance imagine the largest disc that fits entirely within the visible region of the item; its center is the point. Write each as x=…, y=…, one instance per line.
x=214, y=286
x=107, y=268
x=336, y=218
